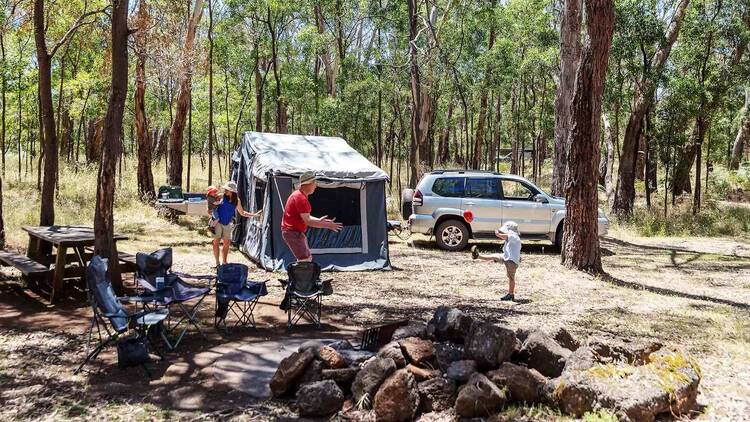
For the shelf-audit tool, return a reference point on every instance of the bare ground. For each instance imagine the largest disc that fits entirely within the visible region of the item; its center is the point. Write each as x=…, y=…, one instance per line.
x=690, y=293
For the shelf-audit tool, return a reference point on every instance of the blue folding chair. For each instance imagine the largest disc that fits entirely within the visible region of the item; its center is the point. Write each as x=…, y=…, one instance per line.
x=235, y=294
x=110, y=320
x=175, y=293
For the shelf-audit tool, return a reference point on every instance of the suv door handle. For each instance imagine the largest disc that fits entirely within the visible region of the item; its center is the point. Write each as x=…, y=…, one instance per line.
x=469, y=203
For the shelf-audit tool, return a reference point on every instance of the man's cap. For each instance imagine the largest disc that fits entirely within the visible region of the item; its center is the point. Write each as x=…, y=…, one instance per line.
x=307, y=177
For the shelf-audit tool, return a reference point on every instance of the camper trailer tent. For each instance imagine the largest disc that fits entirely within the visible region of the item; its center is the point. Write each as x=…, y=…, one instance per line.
x=351, y=189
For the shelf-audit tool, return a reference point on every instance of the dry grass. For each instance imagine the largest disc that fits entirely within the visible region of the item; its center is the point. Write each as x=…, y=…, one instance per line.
x=692, y=293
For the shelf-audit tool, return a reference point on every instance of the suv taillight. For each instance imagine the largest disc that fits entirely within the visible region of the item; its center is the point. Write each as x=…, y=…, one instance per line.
x=417, y=200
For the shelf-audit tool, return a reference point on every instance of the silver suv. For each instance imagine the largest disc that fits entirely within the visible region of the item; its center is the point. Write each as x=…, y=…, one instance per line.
x=456, y=205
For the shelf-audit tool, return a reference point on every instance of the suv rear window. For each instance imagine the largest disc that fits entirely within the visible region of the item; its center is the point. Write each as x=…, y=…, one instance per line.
x=484, y=188
x=451, y=187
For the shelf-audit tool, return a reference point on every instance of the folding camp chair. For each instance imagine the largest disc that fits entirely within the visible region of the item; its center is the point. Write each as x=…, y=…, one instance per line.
x=235, y=294
x=110, y=318
x=175, y=293
x=304, y=293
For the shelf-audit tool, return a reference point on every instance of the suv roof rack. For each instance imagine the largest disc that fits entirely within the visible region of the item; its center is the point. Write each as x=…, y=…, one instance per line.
x=463, y=171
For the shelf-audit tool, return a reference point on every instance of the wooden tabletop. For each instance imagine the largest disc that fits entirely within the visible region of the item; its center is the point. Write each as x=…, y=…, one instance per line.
x=66, y=235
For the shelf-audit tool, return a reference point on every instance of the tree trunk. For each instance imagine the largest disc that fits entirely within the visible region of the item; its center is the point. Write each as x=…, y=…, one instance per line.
x=443, y=150
x=49, y=147
x=4, y=89
x=183, y=98
x=325, y=56
x=422, y=103
x=105, y=193
x=2, y=219
x=145, y=145
x=210, y=92
x=281, y=117
x=479, y=135
x=605, y=162
x=580, y=234
x=570, y=51
x=743, y=134
x=643, y=96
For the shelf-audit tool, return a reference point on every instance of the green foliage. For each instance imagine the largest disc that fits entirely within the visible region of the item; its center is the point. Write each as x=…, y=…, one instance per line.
x=713, y=220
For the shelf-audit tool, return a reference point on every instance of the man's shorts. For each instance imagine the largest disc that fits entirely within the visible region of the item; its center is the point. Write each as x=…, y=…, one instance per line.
x=297, y=243
x=510, y=269
x=223, y=231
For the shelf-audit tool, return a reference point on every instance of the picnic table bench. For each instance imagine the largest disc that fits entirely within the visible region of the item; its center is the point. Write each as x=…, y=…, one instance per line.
x=41, y=262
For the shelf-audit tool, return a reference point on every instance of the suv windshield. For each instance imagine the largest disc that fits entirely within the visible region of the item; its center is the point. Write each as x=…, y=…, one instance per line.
x=452, y=187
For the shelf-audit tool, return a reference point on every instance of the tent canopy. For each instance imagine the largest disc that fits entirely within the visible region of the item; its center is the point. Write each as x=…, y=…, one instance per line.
x=292, y=155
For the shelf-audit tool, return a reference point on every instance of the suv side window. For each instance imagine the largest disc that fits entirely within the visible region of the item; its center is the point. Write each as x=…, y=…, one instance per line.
x=517, y=191
x=451, y=187
x=483, y=188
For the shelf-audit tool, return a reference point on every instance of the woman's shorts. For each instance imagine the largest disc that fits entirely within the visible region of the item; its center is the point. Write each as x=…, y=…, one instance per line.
x=297, y=243
x=223, y=231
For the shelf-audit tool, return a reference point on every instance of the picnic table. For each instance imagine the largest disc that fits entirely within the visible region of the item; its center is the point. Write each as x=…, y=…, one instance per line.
x=79, y=240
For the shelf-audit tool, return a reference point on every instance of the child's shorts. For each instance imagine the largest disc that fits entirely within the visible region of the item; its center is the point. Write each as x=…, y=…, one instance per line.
x=510, y=269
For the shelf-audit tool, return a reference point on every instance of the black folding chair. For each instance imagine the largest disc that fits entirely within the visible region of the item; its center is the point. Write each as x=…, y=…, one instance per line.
x=110, y=319
x=304, y=293
x=175, y=293
x=235, y=294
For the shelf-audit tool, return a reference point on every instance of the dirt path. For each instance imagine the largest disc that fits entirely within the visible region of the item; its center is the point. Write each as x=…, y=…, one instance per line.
x=693, y=293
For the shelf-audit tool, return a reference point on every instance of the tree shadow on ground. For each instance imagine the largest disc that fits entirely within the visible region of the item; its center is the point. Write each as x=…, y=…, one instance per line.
x=670, y=292
x=673, y=250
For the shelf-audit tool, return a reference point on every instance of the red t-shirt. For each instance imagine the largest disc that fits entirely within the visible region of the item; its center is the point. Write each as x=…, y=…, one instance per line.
x=296, y=205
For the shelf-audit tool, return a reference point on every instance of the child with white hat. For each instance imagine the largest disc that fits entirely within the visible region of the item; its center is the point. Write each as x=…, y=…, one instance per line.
x=511, y=255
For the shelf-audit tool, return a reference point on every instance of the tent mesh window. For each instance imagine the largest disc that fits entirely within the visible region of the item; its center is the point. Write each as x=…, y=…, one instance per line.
x=259, y=194
x=344, y=205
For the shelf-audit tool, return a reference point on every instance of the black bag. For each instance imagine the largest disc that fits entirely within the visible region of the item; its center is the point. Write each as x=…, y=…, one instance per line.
x=132, y=351
x=326, y=288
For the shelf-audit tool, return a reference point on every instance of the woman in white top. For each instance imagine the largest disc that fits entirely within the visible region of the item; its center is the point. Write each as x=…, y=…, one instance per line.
x=511, y=255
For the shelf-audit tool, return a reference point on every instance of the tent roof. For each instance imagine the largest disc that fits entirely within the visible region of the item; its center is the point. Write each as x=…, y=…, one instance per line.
x=292, y=155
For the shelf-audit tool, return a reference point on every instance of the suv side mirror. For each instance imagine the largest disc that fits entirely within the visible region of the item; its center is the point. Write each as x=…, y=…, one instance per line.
x=541, y=199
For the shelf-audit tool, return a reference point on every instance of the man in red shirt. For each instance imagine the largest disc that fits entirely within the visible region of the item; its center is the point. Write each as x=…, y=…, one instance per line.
x=297, y=217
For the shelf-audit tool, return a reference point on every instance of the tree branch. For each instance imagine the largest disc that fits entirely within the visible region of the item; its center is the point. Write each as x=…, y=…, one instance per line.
x=78, y=23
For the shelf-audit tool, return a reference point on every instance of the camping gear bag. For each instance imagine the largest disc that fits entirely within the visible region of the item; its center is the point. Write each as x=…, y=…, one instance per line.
x=132, y=351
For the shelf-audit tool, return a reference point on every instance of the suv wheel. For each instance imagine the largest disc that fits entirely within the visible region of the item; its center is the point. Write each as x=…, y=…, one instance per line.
x=452, y=235
x=558, y=237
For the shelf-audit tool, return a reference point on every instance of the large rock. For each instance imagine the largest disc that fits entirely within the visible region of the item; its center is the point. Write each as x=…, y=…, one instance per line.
x=542, y=353
x=355, y=357
x=417, y=329
x=436, y=395
x=341, y=345
x=583, y=358
x=319, y=398
x=523, y=384
x=417, y=350
x=369, y=378
x=331, y=357
x=421, y=373
x=312, y=372
x=290, y=369
x=398, y=398
x=616, y=349
x=489, y=345
x=393, y=350
x=565, y=339
x=449, y=324
x=446, y=353
x=669, y=384
x=343, y=377
x=479, y=397
x=461, y=370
